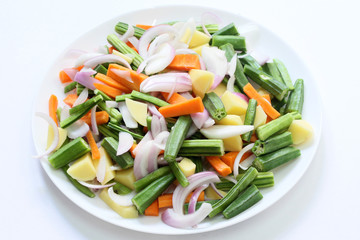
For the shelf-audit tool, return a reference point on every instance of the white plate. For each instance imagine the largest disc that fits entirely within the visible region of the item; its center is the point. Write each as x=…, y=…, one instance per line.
x=285, y=176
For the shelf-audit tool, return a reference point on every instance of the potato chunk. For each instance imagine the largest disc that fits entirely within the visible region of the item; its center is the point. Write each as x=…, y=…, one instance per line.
x=201, y=81
x=126, y=177
x=198, y=39
x=301, y=131
x=187, y=167
x=83, y=169
x=234, y=104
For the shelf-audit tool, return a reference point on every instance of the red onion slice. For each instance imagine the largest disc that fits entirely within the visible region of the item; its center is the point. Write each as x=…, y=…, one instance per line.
x=93, y=62
x=85, y=79
x=242, y=96
x=122, y=200
x=163, y=124
x=128, y=119
x=225, y=131
x=199, y=118
x=192, y=130
x=212, y=185
x=194, y=198
x=260, y=57
x=123, y=74
x=129, y=33
x=101, y=169
x=195, y=181
x=215, y=62
x=155, y=126
x=153, y=110
x=164, y=57
x=82, y=97
x=165, y=83
x=183, y=221
x=148, y=137
x=244, y=165
x=186, y=95
x=238, y=158
x=55, y=142
x=146, y=159
x=159, y=40
x=71, y=72
x=152, y=164
x=94, y=126
x=85, y=57
x=95, y=186
x=150, y=34
x=126, y=140
x=160, y=139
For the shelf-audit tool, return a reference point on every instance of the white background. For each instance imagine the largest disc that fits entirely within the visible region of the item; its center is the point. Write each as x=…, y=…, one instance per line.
x=323, y=205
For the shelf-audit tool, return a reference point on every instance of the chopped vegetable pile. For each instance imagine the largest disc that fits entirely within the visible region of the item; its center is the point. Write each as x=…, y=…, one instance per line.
x=178, y=120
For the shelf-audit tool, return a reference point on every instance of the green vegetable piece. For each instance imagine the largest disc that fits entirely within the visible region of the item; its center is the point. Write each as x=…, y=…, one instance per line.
x=238, y=42
x=121, y=29
x=275, y=126
x=148, y=98
x=198, y=205
x=69, y=152
x=211, y=28
x=262, y=180
x=214, y=105
x=104, y=96
x=198, y=162
x=86, y=105
x=273, y=86
x=229, y=29
x=271, y=69
x=108, y=132
x=70, y=87
x=249, y=118
x=113, y=112
x=148, y=195
x=296, y=98
x=284, y=73
x=124, y=160
x=76, y=184
x=121, y=98
x=151, y=177
x=243, y=182
x=245, y=200
x=101, y=69
x=272, y=144
x=202, y=147
x=176, y=138
x=121, y=189
x=148, y=122
x=272, y=160
x=251, y=61
x=175, y=169
x=118, y=129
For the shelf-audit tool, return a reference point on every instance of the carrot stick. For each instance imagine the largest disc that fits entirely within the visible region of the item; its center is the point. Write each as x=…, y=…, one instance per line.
x=145, y=27
x=95, y=153
x=267, y=97
x=132, y=150
x=153, y=209
x=183, y=108
x=185, y=62
x=222, y=168
x=111, y=82
x=268, y=109
x=136, y=78
x=64, y=78
x=70, y=99
x=229, y=158
x=246, y=155
x=102, y=117
x=175, y=98
x=110, y=91
x=165, y=200
x=131, y=46
x=53, y=105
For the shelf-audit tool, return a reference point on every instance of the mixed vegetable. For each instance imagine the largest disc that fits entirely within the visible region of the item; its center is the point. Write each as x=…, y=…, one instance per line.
x=178, y=120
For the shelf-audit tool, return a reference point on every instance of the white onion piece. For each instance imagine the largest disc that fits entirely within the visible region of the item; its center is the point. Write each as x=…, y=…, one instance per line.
x=192, y=130
x=186, y=95
x=165, y=55
x=111, y=104
x=84, y=57
x=101, y=169
x=260, y=57
x=215, y=62
x=128, y=119
x=238, y=158
x=244, y=165
x=225, y=131
x=122, y=200
x=95, y=186
x=150, y=34
x=146, y=159
x=94, y=126
x=160, y=139
x=194, y=198
x=155, y=126
x=162, y=38
x=77, y=129
x=212, y=185
x=252, y=35
x=148, y=137
x=93, y=62
x=199, y=118
x=165, y=83
x=64, y=114
x=55, y=142
x=231, y=71
x=126, y=140
x=71, y=72
x=153, y=110
x=183, y=221
x=208, y=123
x=129, y=33
x=195, y=180
x=243, y=96
x=82, y=97
x=135, y=42
x=123, y=74
x=154, y=152
x=230, y=84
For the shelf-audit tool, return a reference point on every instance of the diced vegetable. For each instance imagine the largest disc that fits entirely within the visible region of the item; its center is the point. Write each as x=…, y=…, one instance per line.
x=76, y=184
x=198, y=39
x=233, y=143
x=82, y=169
x=62, y=137
x=137, y=110
x=187, y=167
x=230, y=120
x=301, y=131
x=201, y=81
x=260, y=117
x=234, y=104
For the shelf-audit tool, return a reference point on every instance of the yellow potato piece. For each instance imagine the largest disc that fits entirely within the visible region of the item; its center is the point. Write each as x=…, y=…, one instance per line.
x=260, y=117
x=219, y=90
x=198, y=39
x=138, y=110
x=230, y=120
x=109, y=174
x=234, y=143
x=301, y=131
x=187, y=167
x=234, y=104
x=83, y=169
x=198, y=49
x=212, y=195
x=201, y=81
x=126, y=177
x=124, y=211
x=62, y=137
